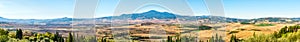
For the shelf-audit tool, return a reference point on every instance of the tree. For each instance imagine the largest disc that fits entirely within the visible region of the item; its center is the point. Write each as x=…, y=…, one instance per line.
x=169, y=39
x=178, y=39
x=276, y=35
x=70, y=38
x=46, y=40
x=246, y=23
x=216, y=38
x=283, y=30
x=48, y=35
x=103, y=39
x=204, y=27
x=12, y=34
x=212, y=39
x=3, y=32
x=56, y=37
x=32, y=39
x=290, y=29
x=60, y=39
x=254, y=34
x=19, y=34
x=3, y=38
x=233, y=38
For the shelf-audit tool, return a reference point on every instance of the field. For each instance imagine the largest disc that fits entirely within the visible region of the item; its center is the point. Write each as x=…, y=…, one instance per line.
x=245, y=31
x=158, y=32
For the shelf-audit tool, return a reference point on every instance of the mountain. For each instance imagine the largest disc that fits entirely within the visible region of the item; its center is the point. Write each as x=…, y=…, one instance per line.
x=33, y=21
x=152, y=14
x=3, y=19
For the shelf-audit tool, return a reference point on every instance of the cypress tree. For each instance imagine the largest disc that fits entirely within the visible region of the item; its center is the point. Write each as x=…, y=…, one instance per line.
x=169, y=39
x=56, y=36
x=233, y=39
x=221, y=39
x=19, y=34
x=217, y=38
x=296, y=28
x=212, y=39
x=290, y=28
x=103, y=39
x=178, y=39
x=254, y=35
x=70, y=38
x=61, y=39
x=207, y=40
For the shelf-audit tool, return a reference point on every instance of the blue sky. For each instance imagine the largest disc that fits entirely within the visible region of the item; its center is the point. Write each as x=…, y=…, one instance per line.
x=36, y=9
x=47, y=9
x=262, y=8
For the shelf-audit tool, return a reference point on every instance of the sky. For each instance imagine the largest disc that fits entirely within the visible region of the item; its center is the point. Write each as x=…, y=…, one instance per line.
x=36, y=9
x=245, y=9
x=262, y=8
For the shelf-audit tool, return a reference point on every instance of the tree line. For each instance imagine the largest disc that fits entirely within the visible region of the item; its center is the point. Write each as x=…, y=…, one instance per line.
x=18, y=36
x=285, y=34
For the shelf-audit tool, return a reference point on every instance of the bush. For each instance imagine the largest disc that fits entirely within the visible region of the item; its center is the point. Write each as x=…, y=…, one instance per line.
x=234, y=31
x=3, y=32
x=3, y=38
x=242, y=29
x=204, y=27
x=264, y=24
x=255, y=30
x=246, y=23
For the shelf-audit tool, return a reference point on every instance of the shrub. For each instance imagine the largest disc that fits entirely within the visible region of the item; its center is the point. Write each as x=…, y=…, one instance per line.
x=233, y=38
x=242, y=29
x=3, y=32
x=234, y=31
x=255, y=30
x=265, y=24
x=204, y=27
x=246, y=23
x=3, y=38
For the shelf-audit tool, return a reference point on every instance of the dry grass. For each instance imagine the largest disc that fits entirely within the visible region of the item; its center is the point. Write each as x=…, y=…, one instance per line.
x=248, y=30
x=244, y=31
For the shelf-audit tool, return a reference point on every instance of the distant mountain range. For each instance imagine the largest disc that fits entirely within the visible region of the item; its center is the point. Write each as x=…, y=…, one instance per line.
x=146, y=15
x=152, y=14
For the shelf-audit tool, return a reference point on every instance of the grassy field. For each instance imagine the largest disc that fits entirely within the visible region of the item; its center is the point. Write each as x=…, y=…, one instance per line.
x=241, y=31
x=245, y=31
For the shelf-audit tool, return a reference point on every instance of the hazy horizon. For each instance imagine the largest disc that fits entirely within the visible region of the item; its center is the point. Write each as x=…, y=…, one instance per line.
x=50, y=9
x=147, y=11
